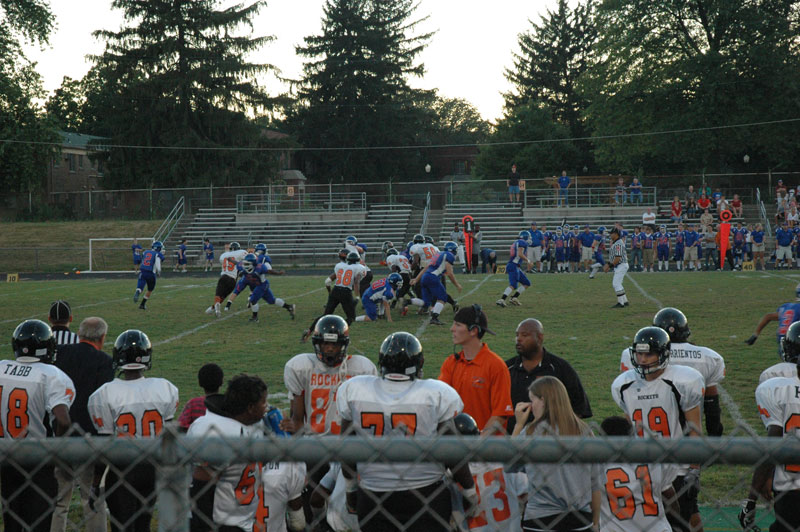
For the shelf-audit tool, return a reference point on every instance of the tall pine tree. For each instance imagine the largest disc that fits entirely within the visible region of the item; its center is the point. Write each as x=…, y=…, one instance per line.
x=176, y=76
x=354, y=93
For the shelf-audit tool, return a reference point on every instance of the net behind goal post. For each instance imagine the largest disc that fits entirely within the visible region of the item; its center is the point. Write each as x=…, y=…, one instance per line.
x=114, y=255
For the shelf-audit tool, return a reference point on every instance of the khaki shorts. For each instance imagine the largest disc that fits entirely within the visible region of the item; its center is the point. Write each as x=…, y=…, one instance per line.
x=784, y=252
x=758, y=248
x=690, y=253
x=647, y=254
x=586, y=253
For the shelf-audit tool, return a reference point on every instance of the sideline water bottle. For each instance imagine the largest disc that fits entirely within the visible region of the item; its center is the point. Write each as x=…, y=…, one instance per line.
x=273, y=418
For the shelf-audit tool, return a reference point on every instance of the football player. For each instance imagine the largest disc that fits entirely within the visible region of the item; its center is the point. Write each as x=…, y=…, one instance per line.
x=219, y=492
x=574, y=249
x=599, y=248
x=136, y=407
x=148, y=270
x=514, y=270
x=180, y=255
x=345, y=278
x=433, y=291
x=136, y=249
x=560, y=241
x=739, y=236
x=260, y=251
x=208, y=250
x=662, y=400
x=399, y=264
x=680, y=247
x=706, y=361
x=383, y=291
x=36, y=392
x=778, y=402
x=662, y=237
x=227, y=279
x=399, y=403
x=790, y=354
x=786, y=314
x=255, y=277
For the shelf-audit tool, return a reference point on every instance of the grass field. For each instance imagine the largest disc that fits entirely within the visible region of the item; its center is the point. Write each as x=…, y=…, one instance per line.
x=722, y=308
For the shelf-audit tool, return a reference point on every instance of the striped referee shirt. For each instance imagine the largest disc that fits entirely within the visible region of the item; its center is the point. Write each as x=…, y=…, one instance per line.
x=618, y=250
x=64, y=336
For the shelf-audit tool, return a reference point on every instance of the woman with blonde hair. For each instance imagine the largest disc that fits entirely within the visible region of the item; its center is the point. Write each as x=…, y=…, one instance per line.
x=559, y=495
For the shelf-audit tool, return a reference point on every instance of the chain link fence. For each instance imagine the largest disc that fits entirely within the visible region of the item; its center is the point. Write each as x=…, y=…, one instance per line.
x=154, y=477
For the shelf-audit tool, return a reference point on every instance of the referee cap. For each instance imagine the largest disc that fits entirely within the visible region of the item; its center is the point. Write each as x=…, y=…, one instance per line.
x=60, y=311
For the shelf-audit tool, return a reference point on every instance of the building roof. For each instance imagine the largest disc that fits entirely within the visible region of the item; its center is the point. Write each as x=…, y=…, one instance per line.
x=79, y=140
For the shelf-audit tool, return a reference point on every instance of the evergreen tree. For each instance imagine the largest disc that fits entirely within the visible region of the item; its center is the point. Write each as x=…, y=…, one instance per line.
x=354, y=93
x=176, y=75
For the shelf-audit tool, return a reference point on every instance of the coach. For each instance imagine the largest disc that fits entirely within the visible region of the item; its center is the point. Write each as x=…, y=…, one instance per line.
x=534, y=361
x=89, y=368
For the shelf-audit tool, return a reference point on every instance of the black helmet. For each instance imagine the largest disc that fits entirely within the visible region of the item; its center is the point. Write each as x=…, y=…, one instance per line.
x=465, y=425
x=331, y=329
x=234, y=246
x=390, y=252
x=353, y=258
x=343, y=254
x=418, y=239
x=429, y=239
x=650, y=340
x=674, y=322
x=401, y=353
x=132, y=350
x=790, y=344
x=386, y=246
x=34, y=339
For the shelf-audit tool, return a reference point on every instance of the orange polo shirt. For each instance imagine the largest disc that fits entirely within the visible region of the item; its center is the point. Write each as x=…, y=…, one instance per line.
x=483, y=383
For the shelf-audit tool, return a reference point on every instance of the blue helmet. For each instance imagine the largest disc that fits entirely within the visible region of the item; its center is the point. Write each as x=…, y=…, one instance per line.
x=158, y=245
x=249, y=262
x=451, y=247
x=261, y=249
x=566, y=227
x=525, y=235
x=559, y=230
x=351, y=241
x=395, y=280
x=601, y=229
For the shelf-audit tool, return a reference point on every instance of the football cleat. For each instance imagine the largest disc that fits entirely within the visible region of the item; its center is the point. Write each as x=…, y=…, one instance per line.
x=291, y=310
x=435, y=321
x=515, y=301
x=501, y=302
x=253, y=319
x=455, y=306
x=142, y=307
x=210, y=310
x=618, y=305
x=136, y=295
x=217, y=313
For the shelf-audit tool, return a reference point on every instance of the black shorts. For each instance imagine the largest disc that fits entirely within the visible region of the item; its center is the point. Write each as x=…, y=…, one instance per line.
x=687, y=501
x=787, y=518
x=225, y=286
x=380, y=511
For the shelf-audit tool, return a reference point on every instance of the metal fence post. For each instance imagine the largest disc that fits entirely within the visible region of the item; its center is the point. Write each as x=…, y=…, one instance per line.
x=173, y=479
x=211, y=194
x=90, y=202
x=150, y=200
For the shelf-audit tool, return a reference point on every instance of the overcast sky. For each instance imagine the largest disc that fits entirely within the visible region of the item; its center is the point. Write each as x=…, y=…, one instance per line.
x=466, y=58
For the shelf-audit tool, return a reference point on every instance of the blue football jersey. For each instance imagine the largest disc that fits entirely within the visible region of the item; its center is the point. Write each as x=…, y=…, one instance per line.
x=439, y=263
x=515, y=247
x=149, y=260
x=788, y=313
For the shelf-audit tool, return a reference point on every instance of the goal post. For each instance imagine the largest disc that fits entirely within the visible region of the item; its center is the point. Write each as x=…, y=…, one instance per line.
x=114, y=255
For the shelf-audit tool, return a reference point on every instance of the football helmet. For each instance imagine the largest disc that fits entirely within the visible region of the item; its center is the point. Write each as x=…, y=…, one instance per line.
x=234, y=246
x=451, y=247
x=391, y=251
x=34, y=339
x=601, y=230
x=249, y=262
x=343, y=254
x=350, y=241
x=429, y=239
x=674, y=322
x=559, y=231
x=790, y=343
x=353, y=258
x=525, y=235
x=465, y=425
x=158, y=245
x=261, y=249
x=566, y=228
x=650, y=340
x=331, y=329
x=387, y=246
x=418, y=239
x=401, y=354
x=132, y=350
x=662, y=227
x=395, y=280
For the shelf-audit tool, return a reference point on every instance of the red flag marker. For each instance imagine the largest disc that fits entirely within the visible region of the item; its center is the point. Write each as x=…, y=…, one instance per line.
x=724, y=232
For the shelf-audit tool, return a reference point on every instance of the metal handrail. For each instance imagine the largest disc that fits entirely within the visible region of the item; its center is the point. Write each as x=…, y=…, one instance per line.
x=425, y=214
x=762, y=210
x=171, y=221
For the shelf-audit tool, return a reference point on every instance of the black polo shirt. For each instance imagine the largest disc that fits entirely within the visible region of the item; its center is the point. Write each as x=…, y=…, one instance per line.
x=550, y=365
x=89, y=369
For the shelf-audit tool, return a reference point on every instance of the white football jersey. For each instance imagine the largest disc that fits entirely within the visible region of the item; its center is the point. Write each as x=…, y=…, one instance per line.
x=229, y=260
x=347, y=275
x=426, y=252
x=281, y=482
x=137, y=408
x=402, y=263
x=498, y=493
x=379, y=407
x=306, y=375
x=778, y=403
x=631, y=496
x=708, y=362
x=28, y=392
x=337, y=516
x=781, y=369
x=235, y=492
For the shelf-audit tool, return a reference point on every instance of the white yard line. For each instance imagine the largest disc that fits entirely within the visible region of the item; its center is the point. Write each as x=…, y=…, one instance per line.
x=643, y=292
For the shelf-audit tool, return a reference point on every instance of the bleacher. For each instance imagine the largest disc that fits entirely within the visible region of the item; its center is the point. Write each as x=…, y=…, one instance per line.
x=303, y=238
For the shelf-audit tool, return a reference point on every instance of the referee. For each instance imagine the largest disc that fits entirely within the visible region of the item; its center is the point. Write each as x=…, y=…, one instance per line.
x=619, y=260
x=60, y=317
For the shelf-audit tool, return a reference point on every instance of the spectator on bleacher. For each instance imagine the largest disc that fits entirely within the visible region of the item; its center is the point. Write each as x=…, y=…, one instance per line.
x=636, y=191
x=691, y=202
x=636, y=249
x=619, y=192
x=706, y=219
x=649, y=218
x=512, y=182
x=717, y=195
x=780, y=209
x=564, y=182
x=704, y=202
x=792, y=216
x=60, y=317
x=736, y=206
x=676, y=210
x=780, y=189
x=709, y=235
x=722, y=204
